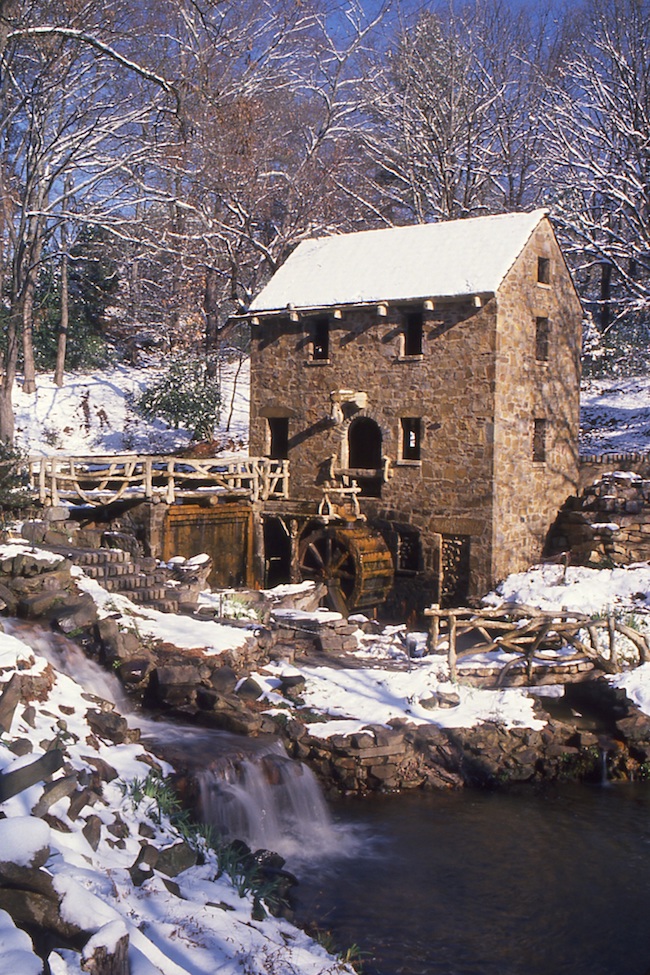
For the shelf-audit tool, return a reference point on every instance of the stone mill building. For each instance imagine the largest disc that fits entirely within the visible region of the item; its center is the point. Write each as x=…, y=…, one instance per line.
x=435, y=368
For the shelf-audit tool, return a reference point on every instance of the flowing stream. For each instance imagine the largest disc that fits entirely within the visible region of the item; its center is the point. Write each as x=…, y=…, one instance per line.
x=529, y=882
x=248, y=788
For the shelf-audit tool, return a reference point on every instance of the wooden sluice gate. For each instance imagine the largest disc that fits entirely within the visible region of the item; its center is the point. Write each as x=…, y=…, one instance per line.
x=544, y=647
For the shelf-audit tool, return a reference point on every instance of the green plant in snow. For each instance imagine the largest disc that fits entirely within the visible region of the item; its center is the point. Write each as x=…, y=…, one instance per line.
x=350, y=956
x=233, y=860
x=163, y=799
x=188, y=395
x=13, y=479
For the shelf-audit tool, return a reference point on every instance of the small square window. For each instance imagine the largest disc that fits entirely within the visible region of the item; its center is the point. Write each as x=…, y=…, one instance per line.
x=541, y=339
x=544, y=270
x=413, y=333
x=411, y=437
x=540, y=428
x=321, y=338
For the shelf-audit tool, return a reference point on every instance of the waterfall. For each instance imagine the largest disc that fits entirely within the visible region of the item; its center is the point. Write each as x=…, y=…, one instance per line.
x=68, y=658
x=248, y=788
x=270, y=802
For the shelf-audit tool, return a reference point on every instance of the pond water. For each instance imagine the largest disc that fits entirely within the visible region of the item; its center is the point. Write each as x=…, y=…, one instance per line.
x=534, y=883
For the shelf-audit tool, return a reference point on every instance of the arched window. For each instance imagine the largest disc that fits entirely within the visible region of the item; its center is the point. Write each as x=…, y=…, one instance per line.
x=365, y=454
x=364, y=444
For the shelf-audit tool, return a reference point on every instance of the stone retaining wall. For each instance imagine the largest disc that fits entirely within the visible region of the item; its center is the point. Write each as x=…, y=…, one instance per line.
x=609, y=523
x=594, y=466
x=427, y=756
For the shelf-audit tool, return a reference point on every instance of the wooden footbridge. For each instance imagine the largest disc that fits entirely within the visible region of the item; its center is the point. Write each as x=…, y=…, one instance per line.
x=235, y=509
x=103, y=480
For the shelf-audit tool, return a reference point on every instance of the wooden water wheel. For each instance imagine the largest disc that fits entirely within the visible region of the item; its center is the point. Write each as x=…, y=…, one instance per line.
x=353, y=562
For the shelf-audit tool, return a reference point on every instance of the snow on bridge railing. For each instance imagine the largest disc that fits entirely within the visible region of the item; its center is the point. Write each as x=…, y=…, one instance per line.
x=102, y=479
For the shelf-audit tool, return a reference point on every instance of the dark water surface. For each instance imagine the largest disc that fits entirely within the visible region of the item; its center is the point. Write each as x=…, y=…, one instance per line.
x=533, y=883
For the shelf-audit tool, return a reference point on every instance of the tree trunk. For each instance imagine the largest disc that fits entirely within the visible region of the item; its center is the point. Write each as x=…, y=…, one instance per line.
x=29, y=383
x=63, y=326
x=7, y=383
x=234, y=392
x=605, y=296
x=211, y=314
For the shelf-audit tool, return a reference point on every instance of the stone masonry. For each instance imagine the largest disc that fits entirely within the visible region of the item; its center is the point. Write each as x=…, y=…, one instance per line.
x=607, y=524
x=479, y=390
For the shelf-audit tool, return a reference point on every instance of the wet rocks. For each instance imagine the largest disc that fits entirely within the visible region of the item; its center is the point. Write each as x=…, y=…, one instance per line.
x=110, y=726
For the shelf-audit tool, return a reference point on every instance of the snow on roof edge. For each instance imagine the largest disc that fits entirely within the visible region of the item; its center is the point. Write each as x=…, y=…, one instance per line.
x=447, y=259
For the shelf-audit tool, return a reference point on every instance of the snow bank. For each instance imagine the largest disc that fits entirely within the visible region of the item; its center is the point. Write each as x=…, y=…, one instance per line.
x=92, y=413
x=636, y=684
x=576, y=589
x=359, y=697
x=24, y=840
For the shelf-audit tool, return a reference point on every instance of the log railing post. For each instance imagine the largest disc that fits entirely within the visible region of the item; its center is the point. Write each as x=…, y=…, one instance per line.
x=148, y=478
x=169, y=493
x=54, y=490
x=42, y=485
x=451, y=623
x=434, y=627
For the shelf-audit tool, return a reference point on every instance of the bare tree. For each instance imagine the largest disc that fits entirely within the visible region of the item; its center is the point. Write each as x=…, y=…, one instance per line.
x=431, y=138
x=455, y=114
x=599, y=161
x=64, y=115
x=266, y=98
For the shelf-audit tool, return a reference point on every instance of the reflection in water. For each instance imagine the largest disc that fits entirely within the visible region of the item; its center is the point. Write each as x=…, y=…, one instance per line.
x=553, y=883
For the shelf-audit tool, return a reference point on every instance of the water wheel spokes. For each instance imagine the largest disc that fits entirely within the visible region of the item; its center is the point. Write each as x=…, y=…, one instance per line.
x=324, y=559
x=352, y=562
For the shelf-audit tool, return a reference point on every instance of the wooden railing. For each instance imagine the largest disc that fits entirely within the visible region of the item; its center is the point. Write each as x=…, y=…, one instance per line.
x=99, y=480
x=531, y=636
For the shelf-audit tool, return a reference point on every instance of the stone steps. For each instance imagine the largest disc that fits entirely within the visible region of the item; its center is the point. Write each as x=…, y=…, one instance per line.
x=141, y=578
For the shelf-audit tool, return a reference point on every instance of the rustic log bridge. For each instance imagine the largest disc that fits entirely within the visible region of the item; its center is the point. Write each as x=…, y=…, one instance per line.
x=527, y=632
x=100, y=480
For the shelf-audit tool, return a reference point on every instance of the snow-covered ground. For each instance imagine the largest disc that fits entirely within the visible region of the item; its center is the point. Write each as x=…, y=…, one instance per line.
x=201, y=927
x=189, y=935
x=615, y=415
x=92, y=413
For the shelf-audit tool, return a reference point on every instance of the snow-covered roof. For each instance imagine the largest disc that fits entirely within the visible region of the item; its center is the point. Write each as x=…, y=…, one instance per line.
x=433, y=260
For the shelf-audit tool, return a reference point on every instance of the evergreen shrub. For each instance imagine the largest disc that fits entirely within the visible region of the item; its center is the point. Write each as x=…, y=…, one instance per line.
x=186, y=395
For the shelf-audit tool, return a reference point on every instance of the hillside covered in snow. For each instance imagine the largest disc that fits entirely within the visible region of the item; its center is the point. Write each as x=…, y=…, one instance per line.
x=93, y=413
